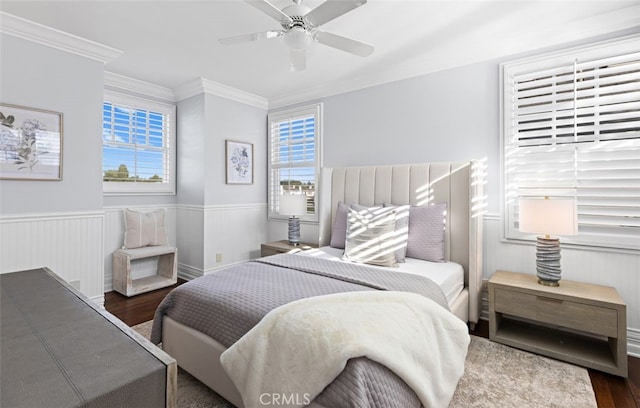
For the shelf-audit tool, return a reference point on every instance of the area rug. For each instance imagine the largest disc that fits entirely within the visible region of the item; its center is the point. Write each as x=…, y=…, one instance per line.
x=495, y=376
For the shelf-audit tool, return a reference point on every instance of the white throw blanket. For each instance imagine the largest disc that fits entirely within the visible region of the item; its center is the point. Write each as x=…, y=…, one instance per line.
x=296, y=350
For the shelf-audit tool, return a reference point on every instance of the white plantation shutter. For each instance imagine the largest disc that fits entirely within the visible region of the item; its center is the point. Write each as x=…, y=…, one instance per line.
x=572, y=128
x=294, y=156
x=140, y=135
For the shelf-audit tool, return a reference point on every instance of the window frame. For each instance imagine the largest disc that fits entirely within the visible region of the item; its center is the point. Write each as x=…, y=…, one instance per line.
x=163, y=188
x=598, y=51
x=316, y=110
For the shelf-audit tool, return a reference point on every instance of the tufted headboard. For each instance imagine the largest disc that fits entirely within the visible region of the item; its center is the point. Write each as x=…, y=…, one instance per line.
x=457, y=183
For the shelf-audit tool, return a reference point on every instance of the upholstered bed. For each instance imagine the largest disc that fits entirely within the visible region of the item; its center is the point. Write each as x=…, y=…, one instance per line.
x=456, y=184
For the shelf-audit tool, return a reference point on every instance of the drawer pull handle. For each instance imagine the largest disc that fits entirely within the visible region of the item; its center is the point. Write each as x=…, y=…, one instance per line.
x=548, y=299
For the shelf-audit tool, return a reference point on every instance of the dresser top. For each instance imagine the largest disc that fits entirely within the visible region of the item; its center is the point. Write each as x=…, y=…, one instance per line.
x=567, y=288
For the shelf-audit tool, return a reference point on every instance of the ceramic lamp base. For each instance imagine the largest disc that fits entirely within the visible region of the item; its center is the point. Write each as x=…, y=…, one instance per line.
x=294, y=231
x=548, y=261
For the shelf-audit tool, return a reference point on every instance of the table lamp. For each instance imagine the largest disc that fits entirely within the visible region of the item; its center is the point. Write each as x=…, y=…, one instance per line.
x=293, y=205
x=557, y=216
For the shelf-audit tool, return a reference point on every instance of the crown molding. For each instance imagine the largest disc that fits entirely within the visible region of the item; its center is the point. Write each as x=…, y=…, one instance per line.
x=126, y=84
x=331, y=89
x=31, y=31
x=189, y=89
x=202, y=85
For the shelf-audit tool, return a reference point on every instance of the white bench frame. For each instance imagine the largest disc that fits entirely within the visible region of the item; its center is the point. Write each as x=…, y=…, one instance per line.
x=167, y=272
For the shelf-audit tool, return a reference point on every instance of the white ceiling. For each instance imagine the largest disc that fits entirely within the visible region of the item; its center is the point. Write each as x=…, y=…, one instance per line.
x=170, y=43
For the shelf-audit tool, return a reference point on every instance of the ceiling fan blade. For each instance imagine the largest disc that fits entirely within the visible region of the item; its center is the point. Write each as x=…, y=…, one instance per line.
x=250, y=37
x=297, y=59
x=330, y=10
x=270, y=10
x=344, y=43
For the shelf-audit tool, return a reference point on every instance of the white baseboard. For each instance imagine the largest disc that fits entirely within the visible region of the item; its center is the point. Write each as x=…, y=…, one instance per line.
x=633, y=342
x=98, y=300
x=211, y=270
x=188, y=272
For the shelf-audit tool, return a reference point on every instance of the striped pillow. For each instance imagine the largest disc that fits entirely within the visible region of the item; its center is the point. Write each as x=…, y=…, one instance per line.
x=370, y=237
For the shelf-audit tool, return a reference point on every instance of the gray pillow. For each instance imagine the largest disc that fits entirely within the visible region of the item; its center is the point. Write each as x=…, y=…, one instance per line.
x=144, y=229
x=426, y=232
x=339, y=232
x=370, y=237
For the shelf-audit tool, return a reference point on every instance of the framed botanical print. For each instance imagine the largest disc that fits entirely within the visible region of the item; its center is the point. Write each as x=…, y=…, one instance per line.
x=239, y=161
x=30, y=143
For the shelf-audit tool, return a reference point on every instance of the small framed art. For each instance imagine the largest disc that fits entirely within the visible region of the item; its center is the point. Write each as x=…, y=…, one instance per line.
x=239, y=162
x=30, y=143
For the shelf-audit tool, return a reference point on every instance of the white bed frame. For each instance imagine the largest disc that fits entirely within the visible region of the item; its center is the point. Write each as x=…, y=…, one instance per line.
x=459, y=184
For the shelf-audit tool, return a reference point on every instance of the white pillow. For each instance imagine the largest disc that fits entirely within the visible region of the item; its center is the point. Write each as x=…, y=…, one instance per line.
x=370, y=237
x=401, y=237
x=339, y=232
x=144, y=229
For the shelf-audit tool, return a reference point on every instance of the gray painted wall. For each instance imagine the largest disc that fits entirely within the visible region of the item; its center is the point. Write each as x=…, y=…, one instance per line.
x=205, y=121
x=227, y=119
x=450, y=115
x=191, y=150
x=37, y=76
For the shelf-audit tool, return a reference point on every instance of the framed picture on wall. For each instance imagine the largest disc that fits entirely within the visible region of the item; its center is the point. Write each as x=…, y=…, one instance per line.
x=239, y=162
x=30, y=143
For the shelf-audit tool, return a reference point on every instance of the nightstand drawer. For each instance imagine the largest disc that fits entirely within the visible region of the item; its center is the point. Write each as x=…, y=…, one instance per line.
x=269, y=251
x=283, y=247
x=557, y=311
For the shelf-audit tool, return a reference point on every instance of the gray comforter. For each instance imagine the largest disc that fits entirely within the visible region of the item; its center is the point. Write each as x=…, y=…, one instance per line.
x=228, y=303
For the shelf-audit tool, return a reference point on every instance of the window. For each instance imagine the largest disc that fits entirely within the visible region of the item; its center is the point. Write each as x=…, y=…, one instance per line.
x=294, y=157
x=138, y=146
x=571, y=127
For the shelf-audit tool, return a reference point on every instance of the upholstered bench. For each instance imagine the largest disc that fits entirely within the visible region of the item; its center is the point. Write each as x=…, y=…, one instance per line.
x=60, y=349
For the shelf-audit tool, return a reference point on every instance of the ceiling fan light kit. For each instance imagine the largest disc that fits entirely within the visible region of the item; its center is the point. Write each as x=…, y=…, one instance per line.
x=297, y=38
x=300, y=28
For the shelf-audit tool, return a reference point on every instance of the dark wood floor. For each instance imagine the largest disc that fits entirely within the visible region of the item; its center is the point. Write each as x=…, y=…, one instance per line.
x=610, y=391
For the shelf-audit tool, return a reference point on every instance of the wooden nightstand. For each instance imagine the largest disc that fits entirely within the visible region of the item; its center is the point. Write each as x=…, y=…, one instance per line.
x=576, y=322
x=283, y=247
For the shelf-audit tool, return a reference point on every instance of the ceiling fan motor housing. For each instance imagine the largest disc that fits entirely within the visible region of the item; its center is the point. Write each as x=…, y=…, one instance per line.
x=296, y=12
x=297, y=36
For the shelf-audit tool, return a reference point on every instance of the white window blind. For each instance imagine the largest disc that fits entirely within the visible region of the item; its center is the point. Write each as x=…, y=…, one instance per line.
x=572, y=128
x=137, y=146
x=294, y=157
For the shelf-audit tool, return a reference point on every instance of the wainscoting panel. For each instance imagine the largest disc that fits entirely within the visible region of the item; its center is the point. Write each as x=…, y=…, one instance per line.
x=71, y=245
x=619, y=269
x=233, y=234
x=212, y=237
x=190, y=234
x=114, y=239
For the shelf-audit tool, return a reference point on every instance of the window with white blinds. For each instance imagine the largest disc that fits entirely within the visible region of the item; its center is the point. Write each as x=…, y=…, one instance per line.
x=572, y=128
x=138, y=146
x=294, y=157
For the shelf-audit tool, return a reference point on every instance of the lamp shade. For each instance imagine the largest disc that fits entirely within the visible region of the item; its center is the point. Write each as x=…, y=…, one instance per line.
x=293, y=204
x=557, y=216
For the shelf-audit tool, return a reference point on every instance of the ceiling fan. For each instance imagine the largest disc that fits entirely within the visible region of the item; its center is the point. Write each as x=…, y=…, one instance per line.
x=300, y=27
